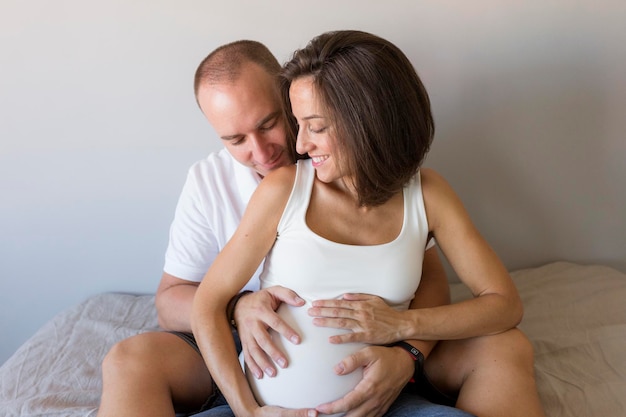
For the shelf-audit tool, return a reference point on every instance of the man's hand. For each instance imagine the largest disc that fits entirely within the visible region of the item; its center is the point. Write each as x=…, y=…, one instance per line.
x=385, y=372
x=254, y=314
x=368, y=317
x=271, y=411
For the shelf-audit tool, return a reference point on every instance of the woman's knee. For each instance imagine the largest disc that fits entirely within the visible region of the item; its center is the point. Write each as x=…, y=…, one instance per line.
x=510, y=350
x=512, y=344
x=452, y=362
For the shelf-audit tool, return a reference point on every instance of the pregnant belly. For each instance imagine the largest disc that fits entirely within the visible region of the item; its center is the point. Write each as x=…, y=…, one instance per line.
x=309, y=380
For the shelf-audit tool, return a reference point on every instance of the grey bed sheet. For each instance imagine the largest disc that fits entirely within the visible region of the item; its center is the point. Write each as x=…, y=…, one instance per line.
x=575, y=316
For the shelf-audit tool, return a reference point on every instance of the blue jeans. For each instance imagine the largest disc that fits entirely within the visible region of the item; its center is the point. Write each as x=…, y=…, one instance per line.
x=406, y=405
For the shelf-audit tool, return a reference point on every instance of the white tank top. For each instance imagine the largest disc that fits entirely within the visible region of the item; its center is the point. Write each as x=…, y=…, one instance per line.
x=317, y=268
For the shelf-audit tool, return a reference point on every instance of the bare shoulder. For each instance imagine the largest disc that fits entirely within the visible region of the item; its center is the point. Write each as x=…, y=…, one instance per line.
x=440, y=200
x=433, y=182
x=273, y=192
x=279, y=181
x=282, y=174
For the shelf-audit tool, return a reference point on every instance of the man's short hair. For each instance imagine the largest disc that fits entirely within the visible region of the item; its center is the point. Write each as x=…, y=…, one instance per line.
x=224, y=64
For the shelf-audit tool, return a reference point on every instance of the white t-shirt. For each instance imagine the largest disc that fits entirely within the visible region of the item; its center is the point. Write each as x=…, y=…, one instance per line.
x=210, y=207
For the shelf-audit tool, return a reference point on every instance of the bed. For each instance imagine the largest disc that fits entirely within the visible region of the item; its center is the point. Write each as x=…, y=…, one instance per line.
x=575, y=316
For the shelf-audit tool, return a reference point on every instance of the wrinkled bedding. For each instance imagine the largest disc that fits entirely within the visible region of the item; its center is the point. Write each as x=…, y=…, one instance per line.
x=574, y=315
x=57, y=371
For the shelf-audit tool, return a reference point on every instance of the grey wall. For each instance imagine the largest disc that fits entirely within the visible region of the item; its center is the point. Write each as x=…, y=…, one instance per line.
x=98, y=126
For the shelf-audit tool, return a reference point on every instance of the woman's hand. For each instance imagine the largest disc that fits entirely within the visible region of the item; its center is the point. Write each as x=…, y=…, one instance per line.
x=386, y=371
x=254, y=314
x=368, y=317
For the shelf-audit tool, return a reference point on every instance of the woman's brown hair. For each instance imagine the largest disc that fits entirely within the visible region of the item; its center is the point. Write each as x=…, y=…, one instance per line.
x=378, y=106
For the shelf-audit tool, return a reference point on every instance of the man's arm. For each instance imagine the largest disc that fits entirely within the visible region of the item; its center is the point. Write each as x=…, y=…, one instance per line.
x=173, y=301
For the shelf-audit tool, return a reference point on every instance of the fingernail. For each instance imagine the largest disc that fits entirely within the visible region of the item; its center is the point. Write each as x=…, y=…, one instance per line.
x=269, y=371
x=282, y=363
x=311, y=413
x=340, y=368
x=294, y=339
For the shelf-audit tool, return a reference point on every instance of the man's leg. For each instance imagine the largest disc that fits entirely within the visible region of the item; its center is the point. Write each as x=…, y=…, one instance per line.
x=493, y=375
x=150, y=374
x=411, y=405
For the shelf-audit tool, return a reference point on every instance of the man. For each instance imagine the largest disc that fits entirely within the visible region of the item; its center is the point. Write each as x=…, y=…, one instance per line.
x=161, y=373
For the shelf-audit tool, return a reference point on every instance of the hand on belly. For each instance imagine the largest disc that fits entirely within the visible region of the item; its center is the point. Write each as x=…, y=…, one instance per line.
x=310, y=379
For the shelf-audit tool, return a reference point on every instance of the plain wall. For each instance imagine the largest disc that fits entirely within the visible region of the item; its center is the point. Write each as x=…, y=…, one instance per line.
x=98, y=125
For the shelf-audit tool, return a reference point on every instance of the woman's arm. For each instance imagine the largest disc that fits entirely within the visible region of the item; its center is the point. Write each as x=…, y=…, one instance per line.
x=372, y=321
x=496, y=305
x=230, y=271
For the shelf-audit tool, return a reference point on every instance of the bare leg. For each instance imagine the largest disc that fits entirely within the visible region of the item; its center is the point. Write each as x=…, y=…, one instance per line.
x=150, y=374
x=493, y=375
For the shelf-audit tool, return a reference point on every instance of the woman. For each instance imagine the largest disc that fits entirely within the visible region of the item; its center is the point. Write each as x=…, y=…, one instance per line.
x=355, y=217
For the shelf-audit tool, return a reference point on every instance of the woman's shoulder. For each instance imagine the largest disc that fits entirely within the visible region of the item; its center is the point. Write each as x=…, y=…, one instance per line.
x=281, y=177
x=278, y=183
x=430, y=178
x=436, y=189
x=441, y=201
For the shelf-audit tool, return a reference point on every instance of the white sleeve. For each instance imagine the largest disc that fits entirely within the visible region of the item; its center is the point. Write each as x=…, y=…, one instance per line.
x=192, y=243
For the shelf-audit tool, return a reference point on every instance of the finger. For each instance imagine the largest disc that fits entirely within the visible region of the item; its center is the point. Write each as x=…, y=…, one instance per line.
x=286, y=412
x=343, y=323
x=346, y=300
x=258, y=347
x=285, y=295
x=270, y=351
x=264, y=351
x=359, y=297
x=263, y=364
x=335, y=303
x=352, y=402
x=252, y=360
x=332, y=312
x=280, y=326
x=356, y=335
x=265, y=317
x=352, y=362
x=338, y=339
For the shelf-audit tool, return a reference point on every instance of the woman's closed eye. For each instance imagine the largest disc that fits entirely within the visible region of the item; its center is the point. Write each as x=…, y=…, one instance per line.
x=317, y=129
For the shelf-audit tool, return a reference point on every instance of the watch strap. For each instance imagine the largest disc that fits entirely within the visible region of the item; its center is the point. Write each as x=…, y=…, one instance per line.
x=417, y=356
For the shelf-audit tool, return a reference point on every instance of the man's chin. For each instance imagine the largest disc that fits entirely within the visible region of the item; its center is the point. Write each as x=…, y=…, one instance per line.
x=263, y=170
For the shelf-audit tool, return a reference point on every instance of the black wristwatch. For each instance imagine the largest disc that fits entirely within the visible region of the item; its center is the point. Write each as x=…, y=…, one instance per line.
x=417, y=356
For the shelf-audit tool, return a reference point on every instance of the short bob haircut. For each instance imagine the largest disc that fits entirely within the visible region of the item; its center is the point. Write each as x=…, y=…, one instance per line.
x=376, y=103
